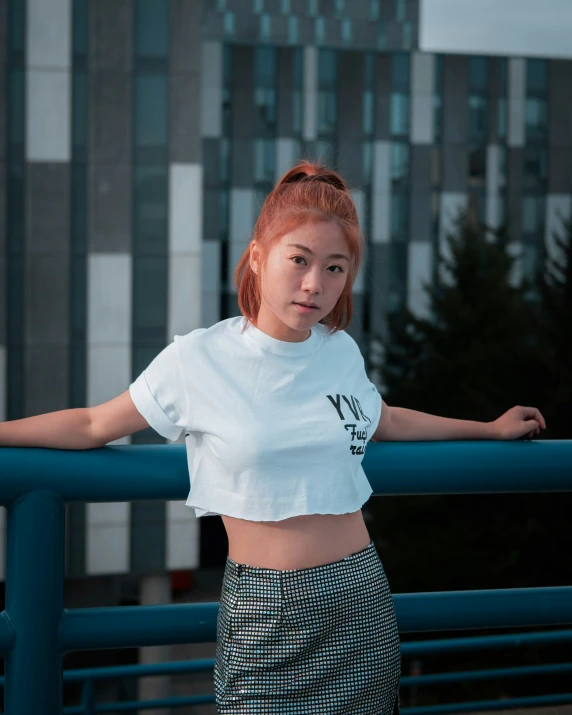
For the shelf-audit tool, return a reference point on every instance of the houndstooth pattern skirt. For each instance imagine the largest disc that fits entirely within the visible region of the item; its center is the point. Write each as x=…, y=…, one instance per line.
x=314, y=641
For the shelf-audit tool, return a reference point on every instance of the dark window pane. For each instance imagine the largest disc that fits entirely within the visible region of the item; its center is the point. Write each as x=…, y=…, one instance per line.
x=150, y=110
x=399, y=117
x=536, y=80
x=327, y=68
x=265, y=66
x=534, y=161
x=149, y=297
x=399, y=161
x=400, y=71
x=150, y=215
x=79, y=112
x=16, y=107
x=151, y=28
x=79, y=10
x=399, y=210
x=478, y=71
x=478, y=118
x=536, y=118
x=17, y=25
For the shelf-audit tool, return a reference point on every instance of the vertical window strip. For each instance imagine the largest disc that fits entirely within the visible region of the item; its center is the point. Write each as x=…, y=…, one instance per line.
x=78, y=208
x=150, y=186
x=15, y=208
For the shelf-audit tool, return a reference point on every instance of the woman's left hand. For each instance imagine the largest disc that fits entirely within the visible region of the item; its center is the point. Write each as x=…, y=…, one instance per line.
x=518, y=422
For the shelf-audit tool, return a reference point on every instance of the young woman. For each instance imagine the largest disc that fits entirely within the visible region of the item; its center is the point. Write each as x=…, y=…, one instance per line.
x=277, y=411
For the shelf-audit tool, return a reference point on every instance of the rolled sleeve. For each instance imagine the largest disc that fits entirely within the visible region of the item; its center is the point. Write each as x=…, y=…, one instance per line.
x=148, y=406
x=159, y=393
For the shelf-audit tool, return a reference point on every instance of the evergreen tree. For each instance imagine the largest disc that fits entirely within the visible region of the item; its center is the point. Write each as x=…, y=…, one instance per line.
x=475, y=357
x=555, y=317
x=472, y=358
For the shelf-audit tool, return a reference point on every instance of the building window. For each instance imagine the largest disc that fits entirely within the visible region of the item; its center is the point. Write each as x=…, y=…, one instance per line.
x=293, y=30
x=265, y=27
x=228, y=25
x=399, y=119
x=346, y=30
x=320, y=31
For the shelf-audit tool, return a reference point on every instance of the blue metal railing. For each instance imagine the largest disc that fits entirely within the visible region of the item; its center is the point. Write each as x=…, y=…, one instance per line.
x=35, y=485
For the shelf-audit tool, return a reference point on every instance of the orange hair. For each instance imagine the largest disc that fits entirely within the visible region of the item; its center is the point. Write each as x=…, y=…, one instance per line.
x=307, y=193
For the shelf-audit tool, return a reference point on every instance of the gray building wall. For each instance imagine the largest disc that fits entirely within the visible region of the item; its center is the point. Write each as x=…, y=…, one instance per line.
x=138, y=140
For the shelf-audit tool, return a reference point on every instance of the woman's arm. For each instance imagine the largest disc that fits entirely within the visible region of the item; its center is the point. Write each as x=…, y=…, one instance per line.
x=401, y=424
x=77, y=428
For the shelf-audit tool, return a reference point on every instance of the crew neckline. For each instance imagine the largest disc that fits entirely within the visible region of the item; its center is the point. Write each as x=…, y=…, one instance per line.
x=284, y=347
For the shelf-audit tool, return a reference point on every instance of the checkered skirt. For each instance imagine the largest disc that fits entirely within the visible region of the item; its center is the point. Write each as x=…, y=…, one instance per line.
x=314, y=641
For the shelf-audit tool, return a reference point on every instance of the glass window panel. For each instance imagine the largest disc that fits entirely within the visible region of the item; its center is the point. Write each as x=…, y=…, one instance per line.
x=400, y=10
x=221, y=5
x=78, y=208
x=502, y=118
x=399, y=161
x=297, y=112
x=374, y=9
x=437, y=117
x=150, y=295
x=224, y=159
x=151, y=28
x=79, y=12
x=265, y=27
x=264, y=160
x=478, y=114
x=228, y=23
x=327, y=68
x=257, y=6
x=536, y=75
x=17, y=26
x=502, y=157
x=399, y=119
x=367, y=158
x=532, y=214
x=536, y=112
x=535, y=160
x=400, y=71
x=79, y=111
x=407, y=35
x=381, y=35
x=478, y=74
x=150, y=208
x=320, y=30
x=398, y=275
x=286, y=7
x=298, y=68
x=223, y=213
x=368, y=105
x=265, y=100
x=346, y=30
x=369, y=71
x=436, y=166
x=293, y=29
x=312, y=8
x=16, y=105
x=503, y=66
x=150, y=110
x=399, y=207
x=265, y=66
x=211, y=215
x=477, y=163
x=339, y=8
x=326, y=112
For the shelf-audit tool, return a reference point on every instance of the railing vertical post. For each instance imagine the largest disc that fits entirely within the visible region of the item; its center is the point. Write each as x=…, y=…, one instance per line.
x=35, y=563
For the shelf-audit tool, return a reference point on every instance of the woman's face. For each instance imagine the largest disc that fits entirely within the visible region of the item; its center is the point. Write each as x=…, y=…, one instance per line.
x=293, y=275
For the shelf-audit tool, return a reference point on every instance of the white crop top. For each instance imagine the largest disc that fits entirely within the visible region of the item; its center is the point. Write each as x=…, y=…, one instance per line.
x=273, y=429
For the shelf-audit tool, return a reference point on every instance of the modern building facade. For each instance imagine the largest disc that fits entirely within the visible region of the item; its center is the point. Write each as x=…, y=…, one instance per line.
x=138, y=140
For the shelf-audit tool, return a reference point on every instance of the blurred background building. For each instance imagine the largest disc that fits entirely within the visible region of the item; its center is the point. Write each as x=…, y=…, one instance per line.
x=138, y=140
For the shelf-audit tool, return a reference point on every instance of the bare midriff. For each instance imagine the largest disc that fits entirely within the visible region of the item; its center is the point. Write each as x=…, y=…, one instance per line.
x=298, y=542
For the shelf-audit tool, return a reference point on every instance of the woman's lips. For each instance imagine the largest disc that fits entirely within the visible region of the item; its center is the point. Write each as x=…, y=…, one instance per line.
x=303, y=308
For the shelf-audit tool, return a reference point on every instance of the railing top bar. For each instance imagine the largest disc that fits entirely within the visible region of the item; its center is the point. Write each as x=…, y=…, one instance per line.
x=128, y=472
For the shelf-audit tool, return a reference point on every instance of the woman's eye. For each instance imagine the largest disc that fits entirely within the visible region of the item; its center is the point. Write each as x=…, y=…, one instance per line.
x=340, y=269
